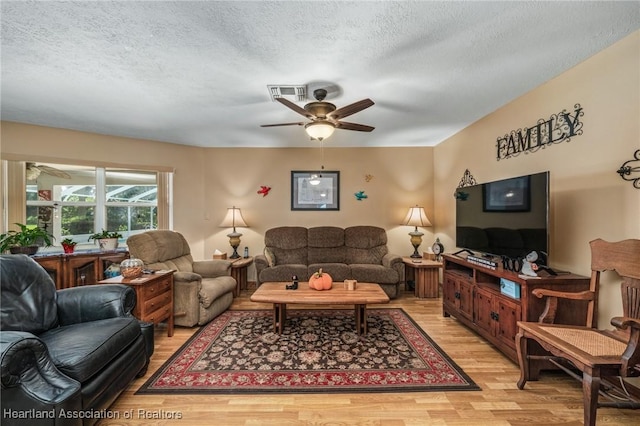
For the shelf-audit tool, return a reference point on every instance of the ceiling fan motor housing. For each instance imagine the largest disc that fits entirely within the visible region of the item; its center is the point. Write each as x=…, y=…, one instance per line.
x=320, y=109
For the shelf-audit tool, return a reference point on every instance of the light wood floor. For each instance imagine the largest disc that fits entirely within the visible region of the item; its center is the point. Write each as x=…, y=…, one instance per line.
x=556, y=399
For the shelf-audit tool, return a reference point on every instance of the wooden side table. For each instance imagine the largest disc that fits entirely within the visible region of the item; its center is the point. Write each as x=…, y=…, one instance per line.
x=239, y=268
x=154, y=293
x=425, y=274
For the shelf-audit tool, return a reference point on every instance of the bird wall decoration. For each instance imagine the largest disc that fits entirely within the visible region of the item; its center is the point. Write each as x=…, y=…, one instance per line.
x=360, y=195
x=264, y=190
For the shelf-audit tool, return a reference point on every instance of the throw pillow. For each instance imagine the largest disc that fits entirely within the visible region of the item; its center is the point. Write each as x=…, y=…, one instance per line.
x=271, y=258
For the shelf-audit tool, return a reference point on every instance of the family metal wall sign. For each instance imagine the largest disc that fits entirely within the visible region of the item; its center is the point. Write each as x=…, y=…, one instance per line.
x=558, y=128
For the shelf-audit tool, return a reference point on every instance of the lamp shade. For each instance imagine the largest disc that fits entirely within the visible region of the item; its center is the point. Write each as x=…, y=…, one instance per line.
x=233, y=218
x=319, y=129
x=416, y=217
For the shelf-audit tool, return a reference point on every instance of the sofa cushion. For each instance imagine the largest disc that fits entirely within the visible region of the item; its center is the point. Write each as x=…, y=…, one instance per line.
x=365, y=244
x=374, y=274
x=284, y=273
x=159, y=245
x=338, y=271
x=82, y=350
x=288, y=244
x=326, y=245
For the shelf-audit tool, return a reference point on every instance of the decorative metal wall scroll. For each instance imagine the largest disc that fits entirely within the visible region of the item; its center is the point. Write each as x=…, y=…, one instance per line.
x=558, y=128
x=625, y=170
x=467, y=180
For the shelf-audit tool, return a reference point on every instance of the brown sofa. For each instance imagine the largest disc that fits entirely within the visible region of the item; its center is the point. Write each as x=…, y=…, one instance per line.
x=356, y=252
x=202, y=289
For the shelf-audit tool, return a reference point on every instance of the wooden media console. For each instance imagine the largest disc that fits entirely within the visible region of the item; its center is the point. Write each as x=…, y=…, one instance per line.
x=475, y=296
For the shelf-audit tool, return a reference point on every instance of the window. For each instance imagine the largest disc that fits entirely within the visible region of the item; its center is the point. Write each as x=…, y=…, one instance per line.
x=131, y=201
x=77, y=201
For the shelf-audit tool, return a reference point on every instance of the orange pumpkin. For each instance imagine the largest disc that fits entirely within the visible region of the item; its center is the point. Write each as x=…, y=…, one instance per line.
x=320, y=281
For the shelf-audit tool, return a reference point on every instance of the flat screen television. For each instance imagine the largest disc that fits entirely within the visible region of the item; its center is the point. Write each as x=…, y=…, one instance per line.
x=508, y=217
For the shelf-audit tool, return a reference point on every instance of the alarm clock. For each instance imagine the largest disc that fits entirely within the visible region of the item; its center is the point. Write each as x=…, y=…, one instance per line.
x=437, y=249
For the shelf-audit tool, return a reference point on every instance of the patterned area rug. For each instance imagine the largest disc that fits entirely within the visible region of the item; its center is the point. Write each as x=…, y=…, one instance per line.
x=319, y=351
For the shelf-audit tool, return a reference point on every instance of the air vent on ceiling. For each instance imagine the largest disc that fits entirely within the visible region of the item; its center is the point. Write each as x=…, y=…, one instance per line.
x=292, y=92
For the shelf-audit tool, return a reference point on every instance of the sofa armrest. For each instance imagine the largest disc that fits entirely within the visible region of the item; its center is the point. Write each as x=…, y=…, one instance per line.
x=390, y=260
x=187, y=277
x=261, y=263
x=29, y=378
x=212, y=268
x=394, y=262
x=94, y=302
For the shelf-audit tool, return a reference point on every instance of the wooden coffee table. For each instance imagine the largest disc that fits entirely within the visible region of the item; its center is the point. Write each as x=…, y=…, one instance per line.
x=276, y=293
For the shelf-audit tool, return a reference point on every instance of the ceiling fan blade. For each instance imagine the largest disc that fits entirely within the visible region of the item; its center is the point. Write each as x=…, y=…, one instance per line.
x=346, y=111
x=353, y=126
x=283, y=124
x=286, y=102
x=53, y=171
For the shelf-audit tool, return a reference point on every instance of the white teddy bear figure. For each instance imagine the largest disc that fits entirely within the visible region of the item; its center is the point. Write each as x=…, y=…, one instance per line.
x=529, y=267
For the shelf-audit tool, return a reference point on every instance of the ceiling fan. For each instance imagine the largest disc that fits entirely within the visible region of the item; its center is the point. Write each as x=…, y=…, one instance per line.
x=33, y=170
x=324, y=116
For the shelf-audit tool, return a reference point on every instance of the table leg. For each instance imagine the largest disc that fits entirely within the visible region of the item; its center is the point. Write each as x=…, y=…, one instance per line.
x=361, y=319
x=240, y=275
x=170, y=322
x=279, y=317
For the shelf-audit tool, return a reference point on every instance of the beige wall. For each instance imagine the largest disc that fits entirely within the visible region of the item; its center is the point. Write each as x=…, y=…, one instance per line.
x=207, y=181
x=402, y=177
x=36, y=143
x=588, y=198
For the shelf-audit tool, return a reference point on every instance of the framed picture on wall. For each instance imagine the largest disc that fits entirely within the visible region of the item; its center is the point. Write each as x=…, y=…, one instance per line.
x=315, y=190
x=512, y=195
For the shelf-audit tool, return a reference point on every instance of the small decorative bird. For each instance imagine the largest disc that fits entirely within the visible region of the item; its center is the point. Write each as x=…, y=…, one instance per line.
x=368, y=177
x=360, y=195
x=264, y=190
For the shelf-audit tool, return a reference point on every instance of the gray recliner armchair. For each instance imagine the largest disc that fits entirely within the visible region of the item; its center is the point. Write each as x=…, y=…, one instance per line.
x=202, y=289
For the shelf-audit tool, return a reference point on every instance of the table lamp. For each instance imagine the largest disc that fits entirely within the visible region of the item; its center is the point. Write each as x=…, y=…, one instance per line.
x=232, y=219
x=416, y=217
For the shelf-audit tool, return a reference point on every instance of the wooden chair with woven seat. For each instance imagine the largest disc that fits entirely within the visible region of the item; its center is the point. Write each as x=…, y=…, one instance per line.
x=603, y=357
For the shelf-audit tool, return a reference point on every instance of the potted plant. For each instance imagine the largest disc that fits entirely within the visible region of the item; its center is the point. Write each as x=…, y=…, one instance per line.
x=107, y=240
x=25, y=241
x=68, y=245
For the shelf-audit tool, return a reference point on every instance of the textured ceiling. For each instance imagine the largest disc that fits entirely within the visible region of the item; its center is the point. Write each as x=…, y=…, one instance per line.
x=196, y=72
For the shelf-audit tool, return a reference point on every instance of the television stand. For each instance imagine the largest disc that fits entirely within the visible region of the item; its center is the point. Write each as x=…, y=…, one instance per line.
x=549, y=270
x=491, y=301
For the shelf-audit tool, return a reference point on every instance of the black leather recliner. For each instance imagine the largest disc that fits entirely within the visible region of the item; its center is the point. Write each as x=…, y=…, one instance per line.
x=66, y=355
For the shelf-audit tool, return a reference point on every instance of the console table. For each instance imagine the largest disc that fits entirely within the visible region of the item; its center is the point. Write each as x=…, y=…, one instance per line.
x=79, y=268
x=472, y=293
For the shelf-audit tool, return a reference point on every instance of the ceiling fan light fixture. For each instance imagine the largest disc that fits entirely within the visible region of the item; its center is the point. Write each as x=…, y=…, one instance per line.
x=319, y=129
x=315, y=180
